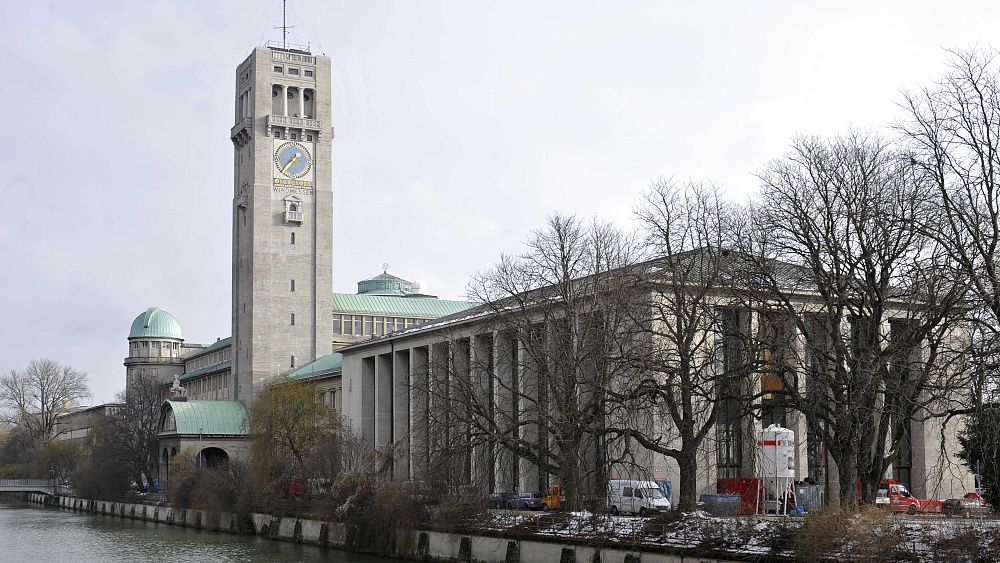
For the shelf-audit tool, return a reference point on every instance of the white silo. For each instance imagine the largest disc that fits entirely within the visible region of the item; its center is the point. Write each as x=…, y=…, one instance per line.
x=776, y=464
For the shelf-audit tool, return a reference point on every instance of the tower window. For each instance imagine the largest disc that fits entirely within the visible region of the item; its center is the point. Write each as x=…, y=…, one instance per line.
x=294, y=136
x=293, y=71
x=293, y=238
x=308, y=72
x=292, y=286
x=291, y=319
x=277, y=69
x=274, y=91
x=293, y=361
x=309, y=136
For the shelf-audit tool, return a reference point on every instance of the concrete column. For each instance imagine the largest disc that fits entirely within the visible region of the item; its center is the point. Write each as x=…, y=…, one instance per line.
x=383, y=400
x=506, y=413
x=419, y=420
x=401, y=413
x=302, y=103
x=462, y=389
x=284, y=100
x=368, y=400
x=528, y=380
x=481, y=360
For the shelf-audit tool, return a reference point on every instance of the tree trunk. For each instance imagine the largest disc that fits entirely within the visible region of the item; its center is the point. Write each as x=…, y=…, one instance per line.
x=848, y=473
x=688, y=489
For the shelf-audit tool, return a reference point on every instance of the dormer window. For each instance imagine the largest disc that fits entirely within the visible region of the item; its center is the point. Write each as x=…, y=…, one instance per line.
x=293, y=210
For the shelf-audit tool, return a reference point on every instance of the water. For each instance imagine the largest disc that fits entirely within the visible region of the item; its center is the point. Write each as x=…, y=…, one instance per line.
x=32, y=533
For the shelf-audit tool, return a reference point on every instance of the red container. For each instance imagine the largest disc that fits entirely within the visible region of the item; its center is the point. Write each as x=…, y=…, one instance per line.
x=749, y=490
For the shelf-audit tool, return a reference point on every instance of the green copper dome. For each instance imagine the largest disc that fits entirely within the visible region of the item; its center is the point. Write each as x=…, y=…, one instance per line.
x=155, y=323
x=384, y=284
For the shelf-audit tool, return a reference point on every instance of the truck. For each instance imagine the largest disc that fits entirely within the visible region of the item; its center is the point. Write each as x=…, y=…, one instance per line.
x=553, y=499
x=896, y=497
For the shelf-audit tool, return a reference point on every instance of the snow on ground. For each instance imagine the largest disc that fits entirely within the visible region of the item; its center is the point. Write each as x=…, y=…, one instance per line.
x=922, y=536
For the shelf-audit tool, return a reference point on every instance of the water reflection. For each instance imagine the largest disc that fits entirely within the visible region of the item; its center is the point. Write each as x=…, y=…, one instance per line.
x=32, y=533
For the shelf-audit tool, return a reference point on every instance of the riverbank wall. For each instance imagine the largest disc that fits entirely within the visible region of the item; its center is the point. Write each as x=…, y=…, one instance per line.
x=420, y=545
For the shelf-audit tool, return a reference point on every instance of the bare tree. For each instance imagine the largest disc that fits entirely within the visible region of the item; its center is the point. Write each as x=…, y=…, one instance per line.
x=695, y=362
x=133, y=424
x=843, y=259
x=543, y=397
x=292, y=430
x=953, y=134
x=34, y=397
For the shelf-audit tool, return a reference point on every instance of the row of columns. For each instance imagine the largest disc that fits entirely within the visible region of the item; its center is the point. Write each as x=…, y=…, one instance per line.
x=407, y=401
x=301, y=97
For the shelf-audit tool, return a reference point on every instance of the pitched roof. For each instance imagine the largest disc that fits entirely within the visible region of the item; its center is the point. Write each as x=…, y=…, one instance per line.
x=221, y=343
x=330, y=363
x=391, y=306
x=209, y=417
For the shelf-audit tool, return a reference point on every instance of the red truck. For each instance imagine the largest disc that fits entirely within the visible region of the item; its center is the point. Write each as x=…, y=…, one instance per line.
x=895, y=496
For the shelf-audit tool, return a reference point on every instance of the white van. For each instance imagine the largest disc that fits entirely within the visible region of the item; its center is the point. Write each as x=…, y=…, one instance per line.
x=635, y=497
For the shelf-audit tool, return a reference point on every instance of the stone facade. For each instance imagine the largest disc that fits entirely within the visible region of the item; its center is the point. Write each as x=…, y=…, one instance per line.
x=282, y=215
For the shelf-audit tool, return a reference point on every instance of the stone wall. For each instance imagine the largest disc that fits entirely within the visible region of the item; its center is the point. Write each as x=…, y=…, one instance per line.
x=423, y=545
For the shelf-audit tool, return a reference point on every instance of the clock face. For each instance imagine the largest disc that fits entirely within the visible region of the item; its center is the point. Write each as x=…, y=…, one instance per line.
x=292, y=160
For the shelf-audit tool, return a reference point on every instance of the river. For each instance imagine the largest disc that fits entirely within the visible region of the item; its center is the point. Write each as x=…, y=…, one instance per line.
x=32, y=533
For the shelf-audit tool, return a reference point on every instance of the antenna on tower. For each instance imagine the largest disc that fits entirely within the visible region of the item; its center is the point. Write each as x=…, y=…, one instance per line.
x=284, y=27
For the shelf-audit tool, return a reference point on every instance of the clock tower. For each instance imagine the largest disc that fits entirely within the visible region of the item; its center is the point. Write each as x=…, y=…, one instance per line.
x=282, y=216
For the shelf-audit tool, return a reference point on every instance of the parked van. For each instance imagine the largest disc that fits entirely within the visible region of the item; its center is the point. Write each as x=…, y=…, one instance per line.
x=635, y=497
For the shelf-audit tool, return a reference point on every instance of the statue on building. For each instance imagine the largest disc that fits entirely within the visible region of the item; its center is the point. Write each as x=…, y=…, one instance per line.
x=176, y=389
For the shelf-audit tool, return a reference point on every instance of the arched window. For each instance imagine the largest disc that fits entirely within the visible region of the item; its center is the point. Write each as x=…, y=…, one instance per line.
x=291, y=319
x=293, y=206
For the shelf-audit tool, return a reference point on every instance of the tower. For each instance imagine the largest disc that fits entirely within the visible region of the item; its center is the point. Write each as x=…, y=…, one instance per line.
x=282, y=216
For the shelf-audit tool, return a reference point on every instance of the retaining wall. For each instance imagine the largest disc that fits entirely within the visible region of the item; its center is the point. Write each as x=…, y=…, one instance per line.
x=416, y=544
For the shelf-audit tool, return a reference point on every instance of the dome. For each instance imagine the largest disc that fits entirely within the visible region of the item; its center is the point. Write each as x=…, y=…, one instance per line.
x=384, y=284
x=155, y=323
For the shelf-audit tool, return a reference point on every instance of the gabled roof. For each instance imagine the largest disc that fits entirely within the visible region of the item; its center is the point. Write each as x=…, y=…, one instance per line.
x=391, y=306
x=225, y=418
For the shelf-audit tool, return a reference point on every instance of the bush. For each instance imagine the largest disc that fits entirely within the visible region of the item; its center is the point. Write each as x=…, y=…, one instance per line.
x=871, y=534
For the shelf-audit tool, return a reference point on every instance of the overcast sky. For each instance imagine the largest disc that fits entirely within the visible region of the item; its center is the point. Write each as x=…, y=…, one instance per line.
x=459, y=126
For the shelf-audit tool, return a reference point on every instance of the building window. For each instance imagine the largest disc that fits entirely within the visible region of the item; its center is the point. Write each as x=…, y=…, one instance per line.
x=309, y=136
x=135, y=345
x=368, y=326
x=357, y=325
x=293, y=361
x=277, y=69
x=308, y=72
x=379, y=323
x=337, y=324
x=293, y=71
x=294, y=136
x=293, y=238
x=145, y=344
x=292, y=286
x=291, y=319
x=153, y=371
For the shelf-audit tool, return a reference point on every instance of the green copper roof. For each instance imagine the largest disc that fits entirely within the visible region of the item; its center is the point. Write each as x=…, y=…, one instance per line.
x=385, y=284
x=209, y=417
x=389, y=306
x=155, y=323
x=330, y=363
x=222, y=343
x=224, y=365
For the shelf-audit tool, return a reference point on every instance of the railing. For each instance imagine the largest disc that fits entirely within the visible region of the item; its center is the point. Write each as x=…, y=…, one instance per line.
x=46, y=486
x=284, y=53
x=244, y=124
x=286, y=121
x=293, y=216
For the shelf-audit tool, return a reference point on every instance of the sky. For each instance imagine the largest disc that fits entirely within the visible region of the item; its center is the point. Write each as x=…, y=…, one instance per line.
x=460, y=125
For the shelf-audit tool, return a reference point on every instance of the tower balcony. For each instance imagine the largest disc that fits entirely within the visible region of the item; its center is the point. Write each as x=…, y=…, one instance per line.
x=293, y=216
x=304, y=123
x=157, y=360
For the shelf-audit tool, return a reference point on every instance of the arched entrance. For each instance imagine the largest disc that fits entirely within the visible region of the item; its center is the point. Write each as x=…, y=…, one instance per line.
x=212, y=457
